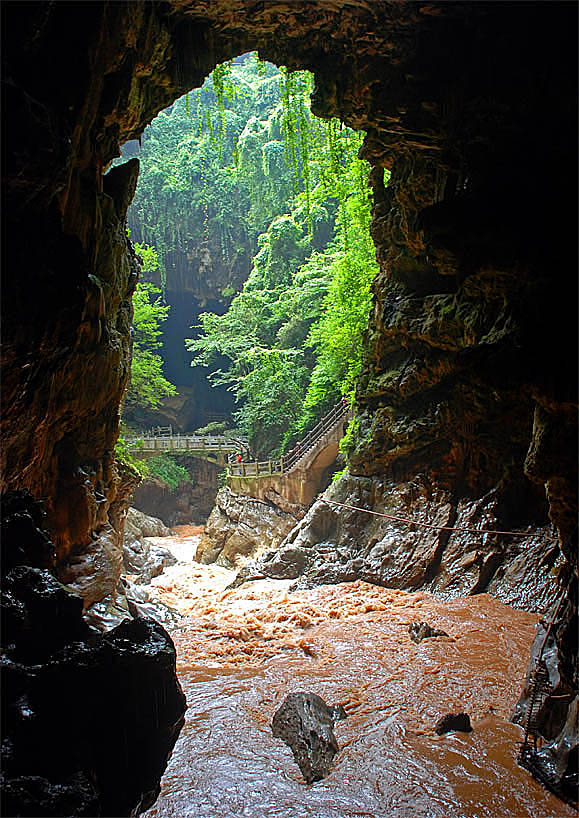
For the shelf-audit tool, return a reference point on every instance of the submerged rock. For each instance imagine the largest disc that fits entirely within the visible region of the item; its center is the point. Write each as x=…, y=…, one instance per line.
x=305, y=722
x=453, y=721
x=422, y=630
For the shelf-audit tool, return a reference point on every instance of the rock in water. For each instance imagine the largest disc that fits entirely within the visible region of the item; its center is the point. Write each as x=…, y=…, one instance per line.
x=422, y=630
x=305, y=722
x=453, y=721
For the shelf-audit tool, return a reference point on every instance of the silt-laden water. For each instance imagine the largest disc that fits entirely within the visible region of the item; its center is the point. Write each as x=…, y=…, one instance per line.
x=241, y=652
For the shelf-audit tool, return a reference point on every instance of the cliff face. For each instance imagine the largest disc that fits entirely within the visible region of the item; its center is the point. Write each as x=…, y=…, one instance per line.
x=190, y=502
x=470, y=373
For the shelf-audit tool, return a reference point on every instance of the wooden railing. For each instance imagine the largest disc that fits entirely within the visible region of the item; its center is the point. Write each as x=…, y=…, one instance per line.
x=288, y=462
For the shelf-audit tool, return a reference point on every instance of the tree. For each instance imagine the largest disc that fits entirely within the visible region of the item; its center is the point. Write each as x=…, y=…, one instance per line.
x=293, y=335
x=147, y=385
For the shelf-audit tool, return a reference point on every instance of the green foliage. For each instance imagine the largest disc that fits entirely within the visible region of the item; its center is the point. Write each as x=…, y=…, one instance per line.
x=147, y=386
x=149, y=257
x=202, y=179
x=125, y=456
x=337, y=475
x=293, y=335
x=242, y=169
x=150, y=263
x=162, y=467
x=352, y=437
x=215, y=427
x=166, y=469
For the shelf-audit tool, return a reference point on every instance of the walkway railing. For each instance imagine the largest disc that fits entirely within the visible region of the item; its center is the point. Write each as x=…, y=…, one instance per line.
x=185, y=443
x=290, y=461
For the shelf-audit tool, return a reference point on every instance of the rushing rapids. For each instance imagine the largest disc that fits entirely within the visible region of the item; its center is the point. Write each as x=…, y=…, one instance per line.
x=240, y=652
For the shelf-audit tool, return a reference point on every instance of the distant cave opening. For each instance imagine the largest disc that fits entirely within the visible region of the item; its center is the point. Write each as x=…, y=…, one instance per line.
x=244, y=193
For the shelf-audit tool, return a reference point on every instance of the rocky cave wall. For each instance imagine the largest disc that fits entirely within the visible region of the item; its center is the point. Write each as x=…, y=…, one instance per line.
x=471, y=348
x=470, y=372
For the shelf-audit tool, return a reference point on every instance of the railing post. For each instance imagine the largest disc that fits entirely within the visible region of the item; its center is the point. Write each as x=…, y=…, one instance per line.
x=243, y=469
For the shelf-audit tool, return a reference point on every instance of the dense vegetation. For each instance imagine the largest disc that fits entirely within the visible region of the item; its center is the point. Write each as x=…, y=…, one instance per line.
x=242, y=165
x=212, y=175
x=292, y=336
x=147, y=385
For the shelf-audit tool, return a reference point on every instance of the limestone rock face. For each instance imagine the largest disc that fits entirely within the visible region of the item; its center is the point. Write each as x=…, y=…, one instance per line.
x=336, y=544
x=240, y=527
x=190, y=502
x=139, y=524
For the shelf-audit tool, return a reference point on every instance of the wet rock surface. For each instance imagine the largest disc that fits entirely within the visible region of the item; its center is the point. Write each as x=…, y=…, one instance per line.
x=140, y=524
x=23, y=540
x=129, y=601
x=422, y=630
x=305, y=722
x=240, y=527
x=555, y=718
x=453, y=722
x=143, y=559
x=335, y=544
x=121, y=687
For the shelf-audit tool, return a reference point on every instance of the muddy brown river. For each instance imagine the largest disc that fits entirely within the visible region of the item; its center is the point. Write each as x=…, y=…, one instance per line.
x=241, y=652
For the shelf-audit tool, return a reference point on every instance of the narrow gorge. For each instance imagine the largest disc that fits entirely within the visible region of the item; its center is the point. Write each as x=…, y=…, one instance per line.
x=454, y=501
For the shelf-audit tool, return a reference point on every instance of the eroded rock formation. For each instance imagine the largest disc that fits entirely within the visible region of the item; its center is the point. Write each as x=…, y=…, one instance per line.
x=470, y=373
x=190, y=502
x=339, y=544
x=241, y=527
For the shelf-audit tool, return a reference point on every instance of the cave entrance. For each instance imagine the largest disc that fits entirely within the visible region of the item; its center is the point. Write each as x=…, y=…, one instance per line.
x=251, y=216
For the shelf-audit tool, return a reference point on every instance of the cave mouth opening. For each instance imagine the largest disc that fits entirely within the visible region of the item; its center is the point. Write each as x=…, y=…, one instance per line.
x=231, y=172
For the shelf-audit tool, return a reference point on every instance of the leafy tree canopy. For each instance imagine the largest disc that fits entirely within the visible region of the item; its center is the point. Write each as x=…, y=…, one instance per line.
x=147, y=385
x=293, y=335
x=241, y=165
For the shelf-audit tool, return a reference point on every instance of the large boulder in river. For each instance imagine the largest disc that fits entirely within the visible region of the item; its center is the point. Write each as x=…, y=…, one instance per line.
x=305, y=722
x=241, y=527
x=143, y=525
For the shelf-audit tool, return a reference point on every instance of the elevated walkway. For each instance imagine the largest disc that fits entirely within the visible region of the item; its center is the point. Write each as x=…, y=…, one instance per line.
x=295, y=477
x=215, y=448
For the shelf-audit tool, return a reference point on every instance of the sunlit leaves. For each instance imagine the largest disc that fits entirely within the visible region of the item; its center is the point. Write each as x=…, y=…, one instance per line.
x=147, y=386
